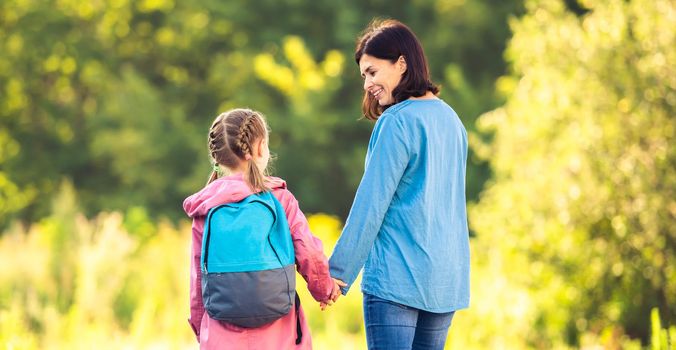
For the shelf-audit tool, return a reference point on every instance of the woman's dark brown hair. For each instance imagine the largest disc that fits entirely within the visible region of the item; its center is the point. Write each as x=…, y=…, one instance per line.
x=389, y=40
x=231, y=139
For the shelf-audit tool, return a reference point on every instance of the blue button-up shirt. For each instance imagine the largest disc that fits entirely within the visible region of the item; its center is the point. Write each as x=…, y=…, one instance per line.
x=408, y=222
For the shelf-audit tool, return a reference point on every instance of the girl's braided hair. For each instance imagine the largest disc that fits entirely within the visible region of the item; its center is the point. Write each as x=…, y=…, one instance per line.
x=231, y=139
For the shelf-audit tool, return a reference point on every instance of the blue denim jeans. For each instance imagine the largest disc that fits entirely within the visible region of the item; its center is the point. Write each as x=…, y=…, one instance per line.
x=391, y=326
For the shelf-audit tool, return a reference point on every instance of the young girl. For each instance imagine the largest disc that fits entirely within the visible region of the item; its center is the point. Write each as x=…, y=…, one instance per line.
x=238, y=144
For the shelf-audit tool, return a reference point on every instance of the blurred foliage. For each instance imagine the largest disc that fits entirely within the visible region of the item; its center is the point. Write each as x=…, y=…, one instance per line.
x=104, y=108
x=579, y=218
x=68, y=282
x=117, y=95
x=72, y=283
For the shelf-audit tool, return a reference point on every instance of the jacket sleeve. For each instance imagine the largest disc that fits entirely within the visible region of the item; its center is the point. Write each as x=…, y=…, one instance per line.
x=311, y=262
x=196, y=305
x=386, y=160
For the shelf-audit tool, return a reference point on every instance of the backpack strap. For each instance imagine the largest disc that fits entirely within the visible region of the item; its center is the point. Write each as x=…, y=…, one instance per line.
x=299, y=331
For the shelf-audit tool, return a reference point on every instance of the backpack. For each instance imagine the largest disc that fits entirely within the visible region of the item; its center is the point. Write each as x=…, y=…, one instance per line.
x=248, y=262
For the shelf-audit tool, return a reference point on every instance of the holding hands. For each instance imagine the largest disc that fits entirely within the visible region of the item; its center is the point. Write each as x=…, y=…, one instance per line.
x=335, y=294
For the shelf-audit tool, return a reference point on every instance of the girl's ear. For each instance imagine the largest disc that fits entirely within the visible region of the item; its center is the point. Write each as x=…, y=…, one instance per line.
x=401, y=64
x=259, y=147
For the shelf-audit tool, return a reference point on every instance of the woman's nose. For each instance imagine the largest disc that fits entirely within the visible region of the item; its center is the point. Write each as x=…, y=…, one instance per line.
x=367, y=83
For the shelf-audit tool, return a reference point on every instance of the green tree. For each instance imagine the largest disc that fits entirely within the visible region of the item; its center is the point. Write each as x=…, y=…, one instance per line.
x=581, y=210
x=116, y=95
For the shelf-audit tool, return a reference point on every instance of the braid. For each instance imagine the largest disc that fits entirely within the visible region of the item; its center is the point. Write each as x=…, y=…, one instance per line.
x=245, y=134
x=217, y=141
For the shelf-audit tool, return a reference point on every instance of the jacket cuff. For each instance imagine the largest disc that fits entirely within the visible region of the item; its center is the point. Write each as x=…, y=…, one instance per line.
x=195, y=329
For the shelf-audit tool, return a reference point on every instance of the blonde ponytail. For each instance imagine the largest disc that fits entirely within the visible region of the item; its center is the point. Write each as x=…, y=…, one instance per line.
x=212, y=177
x=255, y=178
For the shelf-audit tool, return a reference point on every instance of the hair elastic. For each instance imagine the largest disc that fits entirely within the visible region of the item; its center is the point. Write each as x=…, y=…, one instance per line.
x=218, y=170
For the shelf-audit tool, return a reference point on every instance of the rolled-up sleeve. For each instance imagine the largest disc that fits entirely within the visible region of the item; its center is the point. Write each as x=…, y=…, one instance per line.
x=311, y=262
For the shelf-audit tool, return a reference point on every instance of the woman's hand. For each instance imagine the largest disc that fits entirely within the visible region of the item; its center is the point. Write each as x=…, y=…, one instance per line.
x=336, y=292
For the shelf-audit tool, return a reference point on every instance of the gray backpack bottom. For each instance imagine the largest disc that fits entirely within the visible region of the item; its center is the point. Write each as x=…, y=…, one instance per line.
x=249, y=299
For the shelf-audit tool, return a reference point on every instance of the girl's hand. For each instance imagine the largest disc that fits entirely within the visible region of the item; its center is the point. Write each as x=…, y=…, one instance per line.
x=335, y=294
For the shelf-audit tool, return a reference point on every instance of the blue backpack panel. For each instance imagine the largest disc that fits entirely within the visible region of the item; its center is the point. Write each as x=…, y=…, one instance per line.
x=248, y=262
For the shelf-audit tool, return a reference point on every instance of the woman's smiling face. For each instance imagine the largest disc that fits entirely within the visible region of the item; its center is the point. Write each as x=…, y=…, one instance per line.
x=381, y=77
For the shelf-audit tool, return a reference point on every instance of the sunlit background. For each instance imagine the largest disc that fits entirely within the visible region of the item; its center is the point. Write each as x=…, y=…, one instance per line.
x=105, y=106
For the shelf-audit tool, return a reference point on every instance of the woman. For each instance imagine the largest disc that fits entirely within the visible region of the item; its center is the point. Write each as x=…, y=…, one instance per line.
x=408, y=222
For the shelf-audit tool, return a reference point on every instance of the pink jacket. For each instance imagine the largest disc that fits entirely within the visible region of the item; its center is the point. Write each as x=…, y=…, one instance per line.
x=310, y=262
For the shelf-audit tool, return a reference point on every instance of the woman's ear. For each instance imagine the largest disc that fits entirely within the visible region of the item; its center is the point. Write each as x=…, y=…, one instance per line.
x=401, y=64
